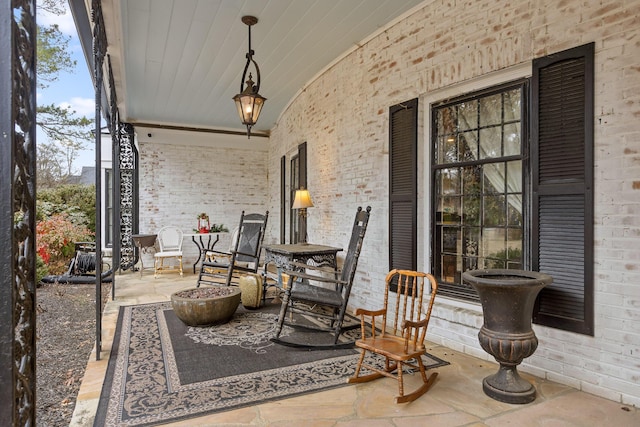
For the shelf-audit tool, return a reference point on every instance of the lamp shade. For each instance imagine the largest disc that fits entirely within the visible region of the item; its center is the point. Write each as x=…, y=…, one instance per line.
x=302, y=200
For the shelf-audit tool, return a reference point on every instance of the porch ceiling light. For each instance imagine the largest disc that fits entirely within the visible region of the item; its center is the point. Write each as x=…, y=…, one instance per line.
x=249, y=102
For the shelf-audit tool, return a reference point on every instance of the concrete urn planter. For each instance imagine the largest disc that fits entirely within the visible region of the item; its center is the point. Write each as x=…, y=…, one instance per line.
x=206, y=306
x=507, y=298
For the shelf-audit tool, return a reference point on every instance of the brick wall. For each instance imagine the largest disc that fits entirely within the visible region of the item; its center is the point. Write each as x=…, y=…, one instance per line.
x=343, y=117
x=184, y=174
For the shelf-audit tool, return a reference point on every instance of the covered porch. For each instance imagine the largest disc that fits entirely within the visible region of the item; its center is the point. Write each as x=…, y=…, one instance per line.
x=332, y=133
x=456, y=398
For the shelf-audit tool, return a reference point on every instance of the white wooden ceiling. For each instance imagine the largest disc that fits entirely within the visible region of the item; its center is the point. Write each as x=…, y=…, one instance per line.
x=180, y=62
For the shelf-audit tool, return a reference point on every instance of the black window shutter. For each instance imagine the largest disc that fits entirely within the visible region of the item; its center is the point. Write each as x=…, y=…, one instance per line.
x=403, y=165
x=562, y=183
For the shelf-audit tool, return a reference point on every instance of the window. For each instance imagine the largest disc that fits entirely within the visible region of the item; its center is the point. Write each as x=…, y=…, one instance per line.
x=478, y=146
x=502, y=202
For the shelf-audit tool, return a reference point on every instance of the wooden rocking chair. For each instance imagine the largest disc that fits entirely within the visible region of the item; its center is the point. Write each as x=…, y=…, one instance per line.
x=304, y=297
x=404, y=327
x=244, y=255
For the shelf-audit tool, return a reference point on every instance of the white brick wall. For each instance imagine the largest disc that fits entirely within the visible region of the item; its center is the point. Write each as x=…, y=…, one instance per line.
x=183, y=174
x=444, y=46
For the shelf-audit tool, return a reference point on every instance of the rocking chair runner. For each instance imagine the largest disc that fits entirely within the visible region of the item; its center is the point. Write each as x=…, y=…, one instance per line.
x=244, y=255
x=303, y=297
x=404, y=327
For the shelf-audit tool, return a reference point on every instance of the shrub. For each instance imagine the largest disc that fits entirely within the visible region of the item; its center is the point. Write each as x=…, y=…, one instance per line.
x=78, y=201
x=41, y=269
x=55, y=238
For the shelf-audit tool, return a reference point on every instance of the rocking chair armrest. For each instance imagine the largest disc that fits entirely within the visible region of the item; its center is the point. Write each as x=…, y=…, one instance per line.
x=414, y=324
x=365, y=312
x=218, y=253
x=294, y=273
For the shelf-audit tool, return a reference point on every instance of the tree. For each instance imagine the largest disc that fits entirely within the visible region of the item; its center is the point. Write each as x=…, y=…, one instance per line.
x=65, y=131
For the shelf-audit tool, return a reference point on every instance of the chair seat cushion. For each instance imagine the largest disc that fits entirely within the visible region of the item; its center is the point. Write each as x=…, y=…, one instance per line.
x=307, y=292
x=168, y=254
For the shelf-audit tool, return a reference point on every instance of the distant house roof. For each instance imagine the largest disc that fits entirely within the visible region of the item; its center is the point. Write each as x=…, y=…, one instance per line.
x=86, y=177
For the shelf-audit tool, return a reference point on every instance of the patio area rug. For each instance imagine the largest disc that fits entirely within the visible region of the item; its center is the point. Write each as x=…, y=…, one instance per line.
x=161, y=370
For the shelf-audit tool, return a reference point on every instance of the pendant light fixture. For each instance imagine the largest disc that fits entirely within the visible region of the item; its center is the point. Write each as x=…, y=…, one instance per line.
x=249, y=102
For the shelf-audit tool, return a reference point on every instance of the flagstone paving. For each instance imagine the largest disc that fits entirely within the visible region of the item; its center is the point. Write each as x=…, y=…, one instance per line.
x=456, y=398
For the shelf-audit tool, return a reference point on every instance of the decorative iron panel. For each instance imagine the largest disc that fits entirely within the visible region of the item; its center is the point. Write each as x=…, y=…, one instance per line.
x=127, y=162
x=17, y=212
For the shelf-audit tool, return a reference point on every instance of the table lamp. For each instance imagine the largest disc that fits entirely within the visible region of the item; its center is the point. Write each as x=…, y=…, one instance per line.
x=301, y=202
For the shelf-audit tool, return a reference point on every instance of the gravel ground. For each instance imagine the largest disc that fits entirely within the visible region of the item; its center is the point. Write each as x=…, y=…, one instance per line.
x=65, y=327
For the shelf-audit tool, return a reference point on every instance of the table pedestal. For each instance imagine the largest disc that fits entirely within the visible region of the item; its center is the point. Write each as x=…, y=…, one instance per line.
x=205, y=243
x=143, y=242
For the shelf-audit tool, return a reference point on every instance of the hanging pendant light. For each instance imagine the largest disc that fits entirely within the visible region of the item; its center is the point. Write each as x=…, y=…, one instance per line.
x=249, y=102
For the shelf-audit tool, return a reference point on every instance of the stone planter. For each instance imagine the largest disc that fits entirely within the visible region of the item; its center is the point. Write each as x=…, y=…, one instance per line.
x=207, y=305
x=507, y=298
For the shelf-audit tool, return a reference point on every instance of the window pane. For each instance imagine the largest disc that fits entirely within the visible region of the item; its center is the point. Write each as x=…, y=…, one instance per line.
x=470, y=247
x=471, y=208
x=468, y=146
x=451, y=209
x=514, y=177
x=450, y=181
x=472, y=179
x=512, y=139
x=491, y=142
x=493, y=178
x=514, y=210
x=494, y=212
x=449, y=150
x=493, y=247
x=446, y=121
x=512, y=105
x=468, y=115
x=491, y=110
x=449, y=268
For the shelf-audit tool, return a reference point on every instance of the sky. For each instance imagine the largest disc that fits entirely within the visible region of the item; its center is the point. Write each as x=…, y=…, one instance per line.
x=74, y=90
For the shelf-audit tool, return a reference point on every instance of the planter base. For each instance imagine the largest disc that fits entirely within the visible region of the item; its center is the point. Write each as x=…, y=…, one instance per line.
x=508, y=386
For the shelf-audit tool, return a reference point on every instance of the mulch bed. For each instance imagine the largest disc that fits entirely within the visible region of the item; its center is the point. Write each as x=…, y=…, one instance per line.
x=65, y=328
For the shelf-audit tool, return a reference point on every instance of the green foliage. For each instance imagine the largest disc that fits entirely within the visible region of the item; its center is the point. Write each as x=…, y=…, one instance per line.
x=77, y=202
x=52, y=54
x=55, y=238
x=41, y=269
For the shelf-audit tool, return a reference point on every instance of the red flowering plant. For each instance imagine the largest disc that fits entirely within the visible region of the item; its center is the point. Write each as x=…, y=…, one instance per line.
x=55, y=238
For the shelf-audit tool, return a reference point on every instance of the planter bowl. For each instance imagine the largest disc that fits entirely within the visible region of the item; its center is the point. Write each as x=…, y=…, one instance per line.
x=206, y=311
x=507, y=298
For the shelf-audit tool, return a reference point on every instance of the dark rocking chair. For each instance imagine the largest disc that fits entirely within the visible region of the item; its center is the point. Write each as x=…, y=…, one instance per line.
x=244, y=255
x=328, y=303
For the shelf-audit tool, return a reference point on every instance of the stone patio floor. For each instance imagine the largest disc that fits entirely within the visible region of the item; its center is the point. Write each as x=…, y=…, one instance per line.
x=456, y=398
